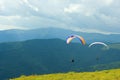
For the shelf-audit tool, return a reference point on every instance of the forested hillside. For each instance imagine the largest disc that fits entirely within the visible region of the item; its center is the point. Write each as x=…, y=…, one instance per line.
x=41, y=56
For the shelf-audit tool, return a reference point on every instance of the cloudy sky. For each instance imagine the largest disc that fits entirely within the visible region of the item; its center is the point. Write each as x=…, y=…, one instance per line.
x=100, y=16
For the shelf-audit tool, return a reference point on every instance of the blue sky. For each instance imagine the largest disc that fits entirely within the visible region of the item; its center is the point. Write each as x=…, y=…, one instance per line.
x=97, y=16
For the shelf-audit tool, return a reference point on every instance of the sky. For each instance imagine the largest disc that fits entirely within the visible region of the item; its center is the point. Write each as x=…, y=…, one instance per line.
x=92, y=16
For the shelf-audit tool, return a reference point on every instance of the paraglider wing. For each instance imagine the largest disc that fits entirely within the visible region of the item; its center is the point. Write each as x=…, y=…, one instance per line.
x=69, y=39
x=94, y=43
x=81, y=39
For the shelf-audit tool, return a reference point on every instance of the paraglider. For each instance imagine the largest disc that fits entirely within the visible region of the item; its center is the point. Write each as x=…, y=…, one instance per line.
x=101, y=43
x=72, y=60
x=70, y=38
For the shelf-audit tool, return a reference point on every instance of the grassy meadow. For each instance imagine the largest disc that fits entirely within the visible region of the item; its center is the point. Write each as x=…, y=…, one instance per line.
x=113, y=74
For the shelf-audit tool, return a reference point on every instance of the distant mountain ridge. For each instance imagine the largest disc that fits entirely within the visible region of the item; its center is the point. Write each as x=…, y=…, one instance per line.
x=49, y=33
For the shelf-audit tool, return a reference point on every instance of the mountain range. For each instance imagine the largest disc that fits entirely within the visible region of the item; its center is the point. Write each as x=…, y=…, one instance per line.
x=49, y=33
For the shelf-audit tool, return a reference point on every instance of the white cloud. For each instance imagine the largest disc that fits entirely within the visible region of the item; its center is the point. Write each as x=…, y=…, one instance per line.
x=5, y=27
x=110, y=20
x=97, y=3
x=72, y=8
x=108, y=2
x=2, y=7
x=79, y=8
x=11, y=17
x=30, y=5
x=85, y=15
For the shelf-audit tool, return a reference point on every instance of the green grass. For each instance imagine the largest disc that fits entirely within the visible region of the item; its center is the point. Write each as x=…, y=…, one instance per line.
x=113, y=74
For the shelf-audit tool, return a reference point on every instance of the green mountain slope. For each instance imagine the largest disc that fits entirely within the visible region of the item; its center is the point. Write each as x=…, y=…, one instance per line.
x=115, y=46
x=98, y=75
x=41, y=56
